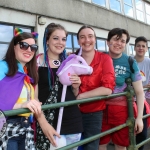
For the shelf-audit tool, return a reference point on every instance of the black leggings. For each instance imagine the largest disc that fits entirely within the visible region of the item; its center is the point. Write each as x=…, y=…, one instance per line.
x=143, y=135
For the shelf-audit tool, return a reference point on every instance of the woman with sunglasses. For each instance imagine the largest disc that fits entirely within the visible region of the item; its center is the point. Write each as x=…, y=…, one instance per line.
x=18, y=76
x=50, y=90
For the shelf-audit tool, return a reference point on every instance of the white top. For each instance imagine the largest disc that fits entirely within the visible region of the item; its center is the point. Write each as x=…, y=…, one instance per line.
x=144, y=67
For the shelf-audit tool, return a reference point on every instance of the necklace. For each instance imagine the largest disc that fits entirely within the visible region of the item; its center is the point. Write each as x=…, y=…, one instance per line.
x=55, y=62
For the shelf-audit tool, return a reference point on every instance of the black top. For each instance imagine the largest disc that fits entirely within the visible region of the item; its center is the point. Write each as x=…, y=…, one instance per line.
x=72, y=119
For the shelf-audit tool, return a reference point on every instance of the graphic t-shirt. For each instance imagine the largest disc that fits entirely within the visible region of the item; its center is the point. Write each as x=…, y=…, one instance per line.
x=144, y=67
x=122, y=72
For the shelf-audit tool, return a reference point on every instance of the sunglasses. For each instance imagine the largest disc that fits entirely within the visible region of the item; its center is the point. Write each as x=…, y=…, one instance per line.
x=25, y=46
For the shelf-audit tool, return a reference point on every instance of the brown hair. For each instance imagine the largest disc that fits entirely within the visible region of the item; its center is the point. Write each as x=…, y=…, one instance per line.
x=52, y=27
x=118, y=32
x=10, y=58
x=85, y=27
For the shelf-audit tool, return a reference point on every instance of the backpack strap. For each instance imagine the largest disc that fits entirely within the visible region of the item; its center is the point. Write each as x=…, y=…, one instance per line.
x=130, y=60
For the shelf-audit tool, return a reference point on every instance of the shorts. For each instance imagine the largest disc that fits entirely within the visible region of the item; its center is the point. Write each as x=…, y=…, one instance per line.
x=115, y=115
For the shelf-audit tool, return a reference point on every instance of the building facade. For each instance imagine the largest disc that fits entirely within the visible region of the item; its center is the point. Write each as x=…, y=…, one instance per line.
x=103, y=15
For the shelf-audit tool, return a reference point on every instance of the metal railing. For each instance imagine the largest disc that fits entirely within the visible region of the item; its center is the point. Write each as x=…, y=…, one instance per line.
x=129, y=93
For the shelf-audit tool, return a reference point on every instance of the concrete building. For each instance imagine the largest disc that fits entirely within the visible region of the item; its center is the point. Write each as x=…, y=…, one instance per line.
x=103, y=15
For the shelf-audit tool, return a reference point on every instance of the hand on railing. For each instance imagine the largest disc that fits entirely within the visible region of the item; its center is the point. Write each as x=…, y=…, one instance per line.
x=33, y=105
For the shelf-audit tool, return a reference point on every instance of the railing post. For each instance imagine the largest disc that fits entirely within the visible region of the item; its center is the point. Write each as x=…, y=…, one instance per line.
x=130, y=120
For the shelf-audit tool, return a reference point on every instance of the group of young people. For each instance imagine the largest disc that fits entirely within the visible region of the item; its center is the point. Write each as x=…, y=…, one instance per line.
x=31, y=86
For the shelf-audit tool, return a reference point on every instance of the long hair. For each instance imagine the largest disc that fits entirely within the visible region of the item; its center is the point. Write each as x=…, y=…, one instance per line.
x=48, y=32
x=10, y=58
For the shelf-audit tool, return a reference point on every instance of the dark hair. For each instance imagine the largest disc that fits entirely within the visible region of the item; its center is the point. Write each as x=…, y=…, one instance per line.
x=140, y=38
x=48, y=32
x=118, y=32
x=51, y=28
x=10, y=58
x=85, y=27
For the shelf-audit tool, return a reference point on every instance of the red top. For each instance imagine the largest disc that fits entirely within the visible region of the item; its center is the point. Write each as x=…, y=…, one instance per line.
x=103, y=75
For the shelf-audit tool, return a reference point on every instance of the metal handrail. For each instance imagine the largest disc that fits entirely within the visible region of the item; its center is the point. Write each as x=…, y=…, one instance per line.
x=129, y=93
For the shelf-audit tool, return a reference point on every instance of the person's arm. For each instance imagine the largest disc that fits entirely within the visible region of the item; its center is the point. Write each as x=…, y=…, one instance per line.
x=146, y=86
x=138, y=87
x=33, y=105
x=107, y=82
x=100, y=91
x=47, y=129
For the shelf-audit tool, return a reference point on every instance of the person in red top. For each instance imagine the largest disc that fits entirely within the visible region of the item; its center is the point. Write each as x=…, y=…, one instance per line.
x=101, y=82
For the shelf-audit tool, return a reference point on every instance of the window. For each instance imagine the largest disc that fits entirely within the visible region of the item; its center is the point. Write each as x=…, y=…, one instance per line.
x=131, y=50
x=115, y=5
x=69, y=42
x=75, y=42
x=72, y=43
x=147, y=9
x=128, y=8
x=24, y=29
x=100, y=2
x=101, y=45
x=139, y=10
x=6, y=34
x=149, y=51
x=3, y=49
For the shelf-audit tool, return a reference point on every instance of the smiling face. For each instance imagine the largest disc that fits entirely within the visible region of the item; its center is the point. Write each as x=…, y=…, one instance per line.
x=117, y=45
x=57, y=42
x=140, y=48
x=87, y=39
x=24, y=56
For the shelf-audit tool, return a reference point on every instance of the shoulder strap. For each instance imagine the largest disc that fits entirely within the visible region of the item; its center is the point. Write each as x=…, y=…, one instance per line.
x=38, y=60
x=130, y=60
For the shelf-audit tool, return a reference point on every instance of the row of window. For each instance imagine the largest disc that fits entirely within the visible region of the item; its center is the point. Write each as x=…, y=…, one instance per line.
x=137, y=9
x=101, y=45
x=72, y=43
x=6, y=34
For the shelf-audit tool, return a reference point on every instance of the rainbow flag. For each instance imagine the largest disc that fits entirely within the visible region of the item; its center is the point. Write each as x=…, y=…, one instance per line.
x=10, y=87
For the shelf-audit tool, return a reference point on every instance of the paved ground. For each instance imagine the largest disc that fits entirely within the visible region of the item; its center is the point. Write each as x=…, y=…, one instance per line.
x=147, y=146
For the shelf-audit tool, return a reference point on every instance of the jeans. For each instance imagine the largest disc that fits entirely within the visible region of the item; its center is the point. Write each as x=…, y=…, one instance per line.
x=92, y=123
x=18, y=142
x=143, y=135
